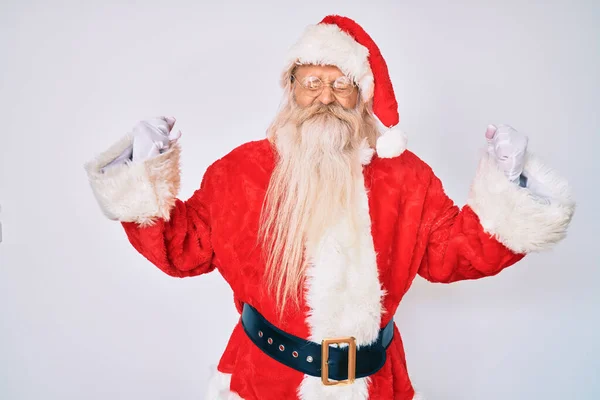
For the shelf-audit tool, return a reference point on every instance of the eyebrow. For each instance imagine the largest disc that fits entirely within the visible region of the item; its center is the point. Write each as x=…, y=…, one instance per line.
x=321, y=77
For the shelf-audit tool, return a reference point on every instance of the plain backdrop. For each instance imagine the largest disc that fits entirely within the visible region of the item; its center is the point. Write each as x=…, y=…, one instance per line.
x=83, y=316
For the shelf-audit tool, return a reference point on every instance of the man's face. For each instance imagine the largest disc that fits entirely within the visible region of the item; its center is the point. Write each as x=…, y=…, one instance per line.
x=307, y=75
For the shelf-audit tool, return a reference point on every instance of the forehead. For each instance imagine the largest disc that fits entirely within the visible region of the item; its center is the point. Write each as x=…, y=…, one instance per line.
x=328, y=72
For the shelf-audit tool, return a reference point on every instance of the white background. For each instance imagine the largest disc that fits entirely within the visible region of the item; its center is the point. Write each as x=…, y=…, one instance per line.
x=83, y=316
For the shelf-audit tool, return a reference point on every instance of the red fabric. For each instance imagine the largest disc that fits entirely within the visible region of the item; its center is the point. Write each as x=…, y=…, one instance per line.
x=416, y=230
x=385, y=106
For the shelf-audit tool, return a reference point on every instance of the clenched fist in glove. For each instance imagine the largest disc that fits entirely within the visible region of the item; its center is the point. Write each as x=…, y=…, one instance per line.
x=507, y=146
x=152, y=137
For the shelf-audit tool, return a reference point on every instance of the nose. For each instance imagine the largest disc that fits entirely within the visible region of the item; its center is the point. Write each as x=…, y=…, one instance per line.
x=326, y=97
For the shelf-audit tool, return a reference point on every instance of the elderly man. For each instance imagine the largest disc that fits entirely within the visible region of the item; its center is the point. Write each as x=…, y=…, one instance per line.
x=321, y=227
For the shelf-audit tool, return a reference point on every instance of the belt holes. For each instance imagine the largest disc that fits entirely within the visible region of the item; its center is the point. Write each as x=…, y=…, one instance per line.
x=281, y=347
x=295, y=354
x=260, y=334
x=270, y=341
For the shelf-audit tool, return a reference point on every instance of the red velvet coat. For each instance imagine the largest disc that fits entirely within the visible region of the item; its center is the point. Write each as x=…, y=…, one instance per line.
x=411, y=227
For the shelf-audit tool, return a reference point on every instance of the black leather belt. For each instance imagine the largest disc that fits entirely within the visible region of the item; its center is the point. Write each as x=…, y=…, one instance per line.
x=335, y=365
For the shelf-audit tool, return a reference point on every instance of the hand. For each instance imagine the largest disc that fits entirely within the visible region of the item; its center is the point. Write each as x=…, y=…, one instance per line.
x=153, y=136
x=508, y=147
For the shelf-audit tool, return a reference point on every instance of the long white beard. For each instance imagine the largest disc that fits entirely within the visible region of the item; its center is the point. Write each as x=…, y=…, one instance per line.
x=313, y=184
x=317, y=165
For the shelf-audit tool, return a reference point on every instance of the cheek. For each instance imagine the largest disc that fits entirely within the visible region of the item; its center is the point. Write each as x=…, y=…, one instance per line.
x=301, y=100
x=349, y=102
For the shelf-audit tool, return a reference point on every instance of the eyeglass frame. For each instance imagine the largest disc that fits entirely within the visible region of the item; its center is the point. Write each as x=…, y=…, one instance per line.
x=295, y=79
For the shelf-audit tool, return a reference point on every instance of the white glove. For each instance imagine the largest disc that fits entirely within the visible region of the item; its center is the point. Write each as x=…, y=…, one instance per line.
x=508, y=147
x=152, y=137
x=123, y=158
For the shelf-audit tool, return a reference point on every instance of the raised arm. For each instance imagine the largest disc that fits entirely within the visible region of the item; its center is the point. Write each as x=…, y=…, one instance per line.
x=501, y=223
x=141, y=193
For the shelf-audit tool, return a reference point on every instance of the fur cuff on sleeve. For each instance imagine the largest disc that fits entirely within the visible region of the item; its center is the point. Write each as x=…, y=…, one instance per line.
x=513, y=214
x=135, y=192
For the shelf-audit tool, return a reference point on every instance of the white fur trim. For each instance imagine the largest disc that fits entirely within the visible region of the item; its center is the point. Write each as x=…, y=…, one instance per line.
x=344, y=293
x=513, y=214
x=218, y=387
x=135, y=191
x=391, y=143
x=418, y=396
x=327, y=44
x=365, y=152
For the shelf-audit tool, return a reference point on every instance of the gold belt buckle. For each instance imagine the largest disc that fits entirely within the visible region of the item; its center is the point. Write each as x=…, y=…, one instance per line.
x=351, y=341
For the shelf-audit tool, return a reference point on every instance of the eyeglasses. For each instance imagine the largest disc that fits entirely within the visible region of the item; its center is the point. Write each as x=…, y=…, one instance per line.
x=313, y=86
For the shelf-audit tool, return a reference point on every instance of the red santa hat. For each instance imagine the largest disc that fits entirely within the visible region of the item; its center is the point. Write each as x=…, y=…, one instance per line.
x=340, y=41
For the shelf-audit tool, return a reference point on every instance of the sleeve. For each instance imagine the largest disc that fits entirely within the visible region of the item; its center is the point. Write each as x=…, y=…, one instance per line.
x=499, y=225
x=172, y=234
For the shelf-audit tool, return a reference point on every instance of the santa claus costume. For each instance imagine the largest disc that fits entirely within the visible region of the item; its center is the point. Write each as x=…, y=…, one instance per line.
x=405, y=225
